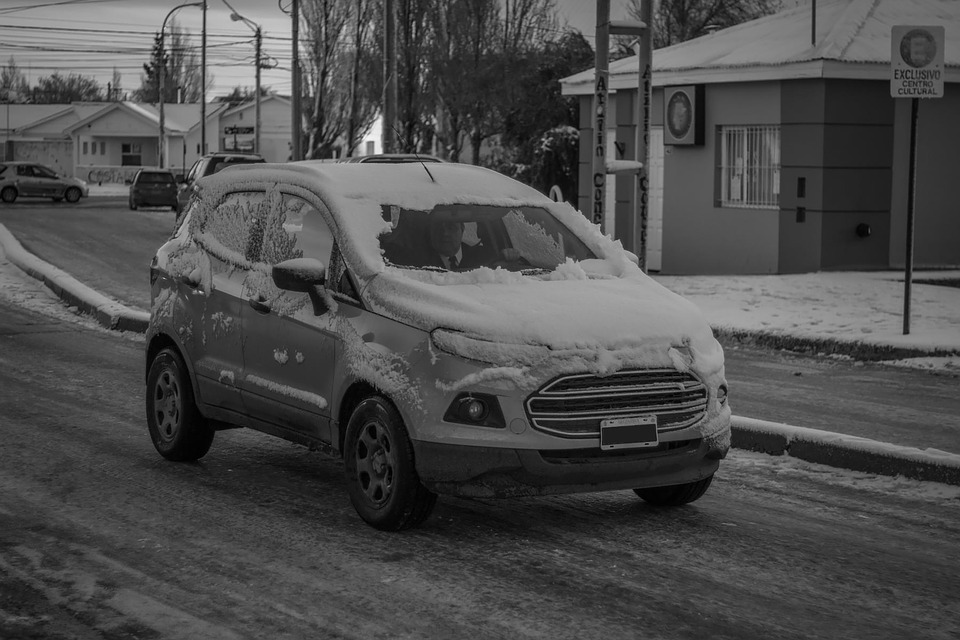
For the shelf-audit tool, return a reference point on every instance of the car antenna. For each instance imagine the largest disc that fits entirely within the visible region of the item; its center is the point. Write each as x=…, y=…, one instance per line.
x=415, y=154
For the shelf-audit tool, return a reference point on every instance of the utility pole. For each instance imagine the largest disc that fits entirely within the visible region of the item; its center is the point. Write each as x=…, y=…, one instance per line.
x=295, y=151
x=203, y=82
x=258, y=35
x=256, y=133
x=161, y=152
x=387, y=133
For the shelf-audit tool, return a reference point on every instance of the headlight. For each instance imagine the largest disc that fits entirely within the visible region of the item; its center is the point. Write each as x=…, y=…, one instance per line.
x=722, y=394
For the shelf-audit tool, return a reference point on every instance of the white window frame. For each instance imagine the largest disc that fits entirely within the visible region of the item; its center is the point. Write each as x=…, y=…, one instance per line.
x=749, y=166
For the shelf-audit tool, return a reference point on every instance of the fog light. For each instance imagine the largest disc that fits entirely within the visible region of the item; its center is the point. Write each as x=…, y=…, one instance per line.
x=722, y=394
x=474, y=408
x=477, y=409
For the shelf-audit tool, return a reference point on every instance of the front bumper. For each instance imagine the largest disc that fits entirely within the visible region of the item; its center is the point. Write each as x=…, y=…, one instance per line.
x=489, y=472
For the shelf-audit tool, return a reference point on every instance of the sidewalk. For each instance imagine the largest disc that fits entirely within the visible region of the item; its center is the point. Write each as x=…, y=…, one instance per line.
x=845, y=314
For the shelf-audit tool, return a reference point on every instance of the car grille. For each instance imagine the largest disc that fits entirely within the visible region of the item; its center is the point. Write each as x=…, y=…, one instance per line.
x=573, y=406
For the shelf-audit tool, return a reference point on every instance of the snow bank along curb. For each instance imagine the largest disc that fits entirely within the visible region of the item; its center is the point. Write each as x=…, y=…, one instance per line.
x=844, y=451
x=823, y=447
x=109, y=313
x=828, y=346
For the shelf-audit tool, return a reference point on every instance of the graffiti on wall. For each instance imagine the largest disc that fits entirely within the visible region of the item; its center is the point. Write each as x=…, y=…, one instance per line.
x=105, y=174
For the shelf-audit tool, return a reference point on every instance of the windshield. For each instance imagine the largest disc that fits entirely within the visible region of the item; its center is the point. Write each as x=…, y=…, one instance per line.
x=465, y=237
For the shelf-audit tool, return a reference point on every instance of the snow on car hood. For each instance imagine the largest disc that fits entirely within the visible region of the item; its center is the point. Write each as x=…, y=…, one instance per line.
x=507, y=318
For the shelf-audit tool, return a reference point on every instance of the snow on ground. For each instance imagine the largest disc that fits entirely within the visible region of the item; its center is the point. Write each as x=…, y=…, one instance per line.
x=865, y=307
x=739, y=461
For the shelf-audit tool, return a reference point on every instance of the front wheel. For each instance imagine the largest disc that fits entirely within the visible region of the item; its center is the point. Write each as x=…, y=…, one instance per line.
x=72, y=194
x=176, y=427
x=8, y=195
x=381, y=478
x=133, y=205
x=675, y=495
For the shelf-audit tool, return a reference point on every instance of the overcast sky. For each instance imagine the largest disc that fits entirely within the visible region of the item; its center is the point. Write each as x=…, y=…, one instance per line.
x=93, y=37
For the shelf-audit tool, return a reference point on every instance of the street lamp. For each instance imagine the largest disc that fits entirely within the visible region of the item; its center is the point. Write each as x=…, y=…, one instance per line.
x=163, y=74
x=236, y=17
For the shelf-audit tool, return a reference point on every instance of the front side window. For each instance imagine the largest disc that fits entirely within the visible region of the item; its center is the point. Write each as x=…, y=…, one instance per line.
x=463, y=237
x=43, y=172
x=749, y=166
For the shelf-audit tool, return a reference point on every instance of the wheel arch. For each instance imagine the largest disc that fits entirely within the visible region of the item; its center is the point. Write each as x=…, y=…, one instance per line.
x=356, y=393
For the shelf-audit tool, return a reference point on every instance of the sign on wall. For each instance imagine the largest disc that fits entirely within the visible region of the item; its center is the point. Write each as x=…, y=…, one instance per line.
x=237, y=138
x=683, y=109
x=916, y=61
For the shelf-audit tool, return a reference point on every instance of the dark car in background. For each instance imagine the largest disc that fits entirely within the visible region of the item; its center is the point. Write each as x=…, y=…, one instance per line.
x=32, y=180
x=209, y=164
x=153, y=188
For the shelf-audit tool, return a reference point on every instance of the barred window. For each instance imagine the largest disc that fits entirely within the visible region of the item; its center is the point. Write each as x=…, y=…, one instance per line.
x=749, y=167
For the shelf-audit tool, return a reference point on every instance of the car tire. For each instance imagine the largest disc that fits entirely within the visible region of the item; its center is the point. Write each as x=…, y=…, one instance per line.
x=72, y=194
x=133, y=205
x=8, y=195
x=178, y=431
x=381, y=477
x=675, y=495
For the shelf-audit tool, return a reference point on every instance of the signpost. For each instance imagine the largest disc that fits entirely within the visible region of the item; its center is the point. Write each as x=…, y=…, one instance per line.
x=916, y=71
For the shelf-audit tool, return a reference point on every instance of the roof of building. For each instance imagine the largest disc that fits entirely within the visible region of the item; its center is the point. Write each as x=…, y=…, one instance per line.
x=852, y=41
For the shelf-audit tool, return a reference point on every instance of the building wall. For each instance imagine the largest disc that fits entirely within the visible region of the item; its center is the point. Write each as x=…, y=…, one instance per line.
x=937, y=204
x=699, y=236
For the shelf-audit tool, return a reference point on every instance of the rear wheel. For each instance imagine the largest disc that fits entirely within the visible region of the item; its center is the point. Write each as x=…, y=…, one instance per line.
x=8, y=195
x=176, y=427
x=72, y=194
x=133, y=204
x=675, y=495
x=381, y=478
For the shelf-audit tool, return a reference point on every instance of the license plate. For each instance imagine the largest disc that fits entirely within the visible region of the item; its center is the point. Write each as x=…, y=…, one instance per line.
x=629, y=433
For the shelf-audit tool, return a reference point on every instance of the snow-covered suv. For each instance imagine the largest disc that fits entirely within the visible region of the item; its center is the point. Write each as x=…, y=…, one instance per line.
x=444, y=330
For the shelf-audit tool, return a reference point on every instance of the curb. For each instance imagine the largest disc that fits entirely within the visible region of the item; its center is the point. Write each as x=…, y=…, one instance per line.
x=844, y=451
x=777, y=439
x=857, y=350
x=108, y=312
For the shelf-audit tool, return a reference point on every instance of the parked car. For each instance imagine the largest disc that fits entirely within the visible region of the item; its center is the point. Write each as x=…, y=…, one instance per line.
x=210, y=164
x=153, y=188
x=32, y=180
x=393, y=158
x=304, y=300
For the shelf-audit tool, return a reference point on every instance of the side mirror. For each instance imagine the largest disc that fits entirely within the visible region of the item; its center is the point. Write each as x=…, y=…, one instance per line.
x=303, y=275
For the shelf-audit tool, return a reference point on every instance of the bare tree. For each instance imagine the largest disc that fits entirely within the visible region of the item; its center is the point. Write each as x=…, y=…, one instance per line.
x=60, y=89
x=364, y=66
x=13, y=83
x=181, y=68
x=677, y=21
x=324, y=30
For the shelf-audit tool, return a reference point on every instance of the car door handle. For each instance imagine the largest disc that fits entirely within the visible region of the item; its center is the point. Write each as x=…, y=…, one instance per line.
x=259, y=305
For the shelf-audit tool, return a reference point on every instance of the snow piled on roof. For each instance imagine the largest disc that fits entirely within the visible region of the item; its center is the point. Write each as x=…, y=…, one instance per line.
x=852, y=31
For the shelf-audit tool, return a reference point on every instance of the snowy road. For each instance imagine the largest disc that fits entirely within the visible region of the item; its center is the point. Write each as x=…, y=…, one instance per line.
x=101, y=538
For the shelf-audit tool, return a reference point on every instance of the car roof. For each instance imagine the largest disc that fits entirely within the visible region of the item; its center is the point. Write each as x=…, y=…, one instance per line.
x=409, y=185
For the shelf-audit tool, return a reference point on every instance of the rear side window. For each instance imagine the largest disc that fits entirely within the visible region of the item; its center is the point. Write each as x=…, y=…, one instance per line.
x=156, y=178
